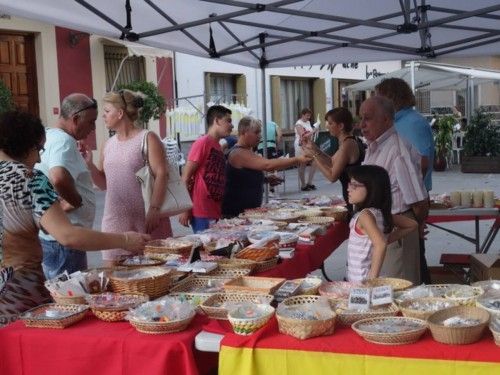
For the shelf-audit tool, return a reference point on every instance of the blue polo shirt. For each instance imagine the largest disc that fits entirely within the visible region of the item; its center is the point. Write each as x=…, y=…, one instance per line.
x=415, y=129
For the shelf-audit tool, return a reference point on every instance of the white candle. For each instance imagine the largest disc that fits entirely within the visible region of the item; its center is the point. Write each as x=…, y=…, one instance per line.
x=489, y=200
x=465, y=198
x=455, y=198
x=477, y=199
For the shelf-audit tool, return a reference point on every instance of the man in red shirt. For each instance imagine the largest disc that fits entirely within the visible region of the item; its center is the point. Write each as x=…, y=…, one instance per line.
x=204, y=173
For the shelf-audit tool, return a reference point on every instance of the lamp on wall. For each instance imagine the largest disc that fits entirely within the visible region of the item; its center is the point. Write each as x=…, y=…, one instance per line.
x=74, y=38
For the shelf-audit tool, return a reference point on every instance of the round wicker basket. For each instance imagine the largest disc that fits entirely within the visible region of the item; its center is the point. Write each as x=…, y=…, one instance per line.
x=66, y=300
x=396, y=284
x=247, y=326
x=407, y=311
x=458, y=335
x=393, y=338
x=158, y=328
x=338, y=213
x=234, y=263
x=214, y=308
x=162, y=248
x=115, y=313
x=309, y=289
x=320, y=220
x=347, y=317
x=301, y=328
x=465, y=301
x=152, y=286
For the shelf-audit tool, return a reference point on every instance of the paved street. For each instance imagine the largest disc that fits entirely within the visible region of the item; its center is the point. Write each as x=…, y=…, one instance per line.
x=437, y=241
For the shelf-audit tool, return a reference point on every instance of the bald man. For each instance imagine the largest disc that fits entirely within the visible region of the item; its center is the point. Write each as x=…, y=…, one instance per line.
x=409, y=196
x=66, y=169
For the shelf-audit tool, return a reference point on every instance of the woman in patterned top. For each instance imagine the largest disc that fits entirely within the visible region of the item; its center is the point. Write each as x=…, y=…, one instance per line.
x=372, y=226
x=29, y=203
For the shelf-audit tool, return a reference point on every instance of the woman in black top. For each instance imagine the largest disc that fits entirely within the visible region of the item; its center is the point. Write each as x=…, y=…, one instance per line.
x=244, y=169
x=351, y=150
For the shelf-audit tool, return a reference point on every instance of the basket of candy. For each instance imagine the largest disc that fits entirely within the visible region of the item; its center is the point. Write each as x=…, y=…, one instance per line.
x=248, y=318
x=495, y=329
x=309, y=285
x=305, y=316
x=390, y=331
x=201, y=285
x=464, y=294
x=218, y=305
x=396, y=284
x=347, y=316
x=151, y=281
x=339, y=213
x=140, y=261
x=262, y=250
x=162, y=248
x=167, y=315
x=337, y=289
x=112, y=307
x=252, y=284
x=52, y=315
x=490, y=302
x=458, y=325
x=422, y=308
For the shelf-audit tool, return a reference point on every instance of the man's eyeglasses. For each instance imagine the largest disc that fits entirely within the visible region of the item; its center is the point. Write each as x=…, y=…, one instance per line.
x=355, y=185
x=92, y=105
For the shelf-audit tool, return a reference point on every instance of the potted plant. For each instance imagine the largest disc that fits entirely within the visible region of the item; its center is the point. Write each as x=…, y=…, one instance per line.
x=442, y=141
x=481, y=144
x=154, y=103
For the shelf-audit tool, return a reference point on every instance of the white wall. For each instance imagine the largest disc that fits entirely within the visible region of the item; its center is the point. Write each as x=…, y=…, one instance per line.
x=190, y=77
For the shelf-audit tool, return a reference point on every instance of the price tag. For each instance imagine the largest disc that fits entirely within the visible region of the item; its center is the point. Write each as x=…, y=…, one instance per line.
x=359, y=299
x=382, y=295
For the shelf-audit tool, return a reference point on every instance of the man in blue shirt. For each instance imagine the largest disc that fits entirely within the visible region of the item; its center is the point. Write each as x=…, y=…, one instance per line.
x=415, y=129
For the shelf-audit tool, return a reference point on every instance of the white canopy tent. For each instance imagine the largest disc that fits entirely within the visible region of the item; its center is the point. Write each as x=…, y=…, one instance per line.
x=427, y=76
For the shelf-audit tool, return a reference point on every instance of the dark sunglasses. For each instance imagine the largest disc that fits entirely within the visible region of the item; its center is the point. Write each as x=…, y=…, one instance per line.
x=92, y=105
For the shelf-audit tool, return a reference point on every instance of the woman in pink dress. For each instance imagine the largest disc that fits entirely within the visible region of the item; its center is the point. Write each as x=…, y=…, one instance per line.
x=121, y=158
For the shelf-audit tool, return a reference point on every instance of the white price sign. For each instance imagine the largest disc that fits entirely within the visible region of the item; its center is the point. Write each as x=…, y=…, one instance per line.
x=359, y=299
x=382, y=295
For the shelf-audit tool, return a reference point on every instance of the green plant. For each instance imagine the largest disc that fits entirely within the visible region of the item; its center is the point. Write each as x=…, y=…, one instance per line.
x=482, y=137
x=443, y=136
x=154, y=103
x=6, y=102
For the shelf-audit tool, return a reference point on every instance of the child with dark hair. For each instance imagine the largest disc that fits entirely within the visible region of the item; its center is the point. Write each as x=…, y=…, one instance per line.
x=372, y=226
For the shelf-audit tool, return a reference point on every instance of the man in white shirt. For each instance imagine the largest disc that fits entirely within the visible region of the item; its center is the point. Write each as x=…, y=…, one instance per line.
x=66, y=169
x=409, y=196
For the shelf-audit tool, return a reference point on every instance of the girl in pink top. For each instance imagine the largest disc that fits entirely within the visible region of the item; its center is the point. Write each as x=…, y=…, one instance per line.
x=372, y=226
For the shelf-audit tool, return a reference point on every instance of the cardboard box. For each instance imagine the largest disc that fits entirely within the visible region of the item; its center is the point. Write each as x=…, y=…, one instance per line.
x=485, y=267
x=440, y=275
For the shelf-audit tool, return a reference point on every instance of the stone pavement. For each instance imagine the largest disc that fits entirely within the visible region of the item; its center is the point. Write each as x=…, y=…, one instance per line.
x=437, y=242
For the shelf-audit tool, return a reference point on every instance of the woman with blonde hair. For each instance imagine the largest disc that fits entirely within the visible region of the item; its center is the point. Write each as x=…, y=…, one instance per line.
x=121, y=157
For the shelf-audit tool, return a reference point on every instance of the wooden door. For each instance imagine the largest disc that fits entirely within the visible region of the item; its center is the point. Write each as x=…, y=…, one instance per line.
x=18, y=70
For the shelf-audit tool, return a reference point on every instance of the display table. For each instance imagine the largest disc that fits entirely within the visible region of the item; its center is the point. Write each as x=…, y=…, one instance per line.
x=96, y=347
x=468, y=214
x=344, y=352
x=308, y=258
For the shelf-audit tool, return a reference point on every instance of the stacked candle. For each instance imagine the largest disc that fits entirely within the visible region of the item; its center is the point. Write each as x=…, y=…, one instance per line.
x=465, y=198
x=489, y=200
x=455, y=198
x=477, y=199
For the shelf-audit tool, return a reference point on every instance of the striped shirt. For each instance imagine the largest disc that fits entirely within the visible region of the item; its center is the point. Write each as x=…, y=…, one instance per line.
x=402, y=162
x=360, y=248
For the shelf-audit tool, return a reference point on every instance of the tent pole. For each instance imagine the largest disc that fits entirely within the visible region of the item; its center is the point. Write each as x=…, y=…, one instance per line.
x=412, y=70
x=264, y=124
x=471, y=97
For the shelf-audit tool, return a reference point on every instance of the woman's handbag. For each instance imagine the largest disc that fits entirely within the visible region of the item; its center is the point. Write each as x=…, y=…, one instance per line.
x=177, y=199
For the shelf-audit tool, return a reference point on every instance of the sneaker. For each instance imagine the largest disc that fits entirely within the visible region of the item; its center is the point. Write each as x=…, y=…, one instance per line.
x=306, y=188
x=311, y=187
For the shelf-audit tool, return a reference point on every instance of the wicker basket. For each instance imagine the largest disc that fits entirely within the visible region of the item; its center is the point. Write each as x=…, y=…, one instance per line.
x=155, y=262
x=395, y=338
x=166, y=247
x=247, y=326
x=309, y=290
x=158, y=328
x=396, y=284
x=493, y=312
x=496, y=334
x=115, y=314
x=258, y=254
x=301, y=328
x=234, y=263
x=78, y=313
x=266, y=265
x=458, y=335
x=338, y=213
x=280, y=224
x=66, y=300
x=311, y=213
x=320, y=220
x=252, y=284
x=212, y=306
x=195, y=299
x=192, y=284
x=347, y=317
x=153, y=287
x=230, y=273
x=466, y=301
x=424, y=314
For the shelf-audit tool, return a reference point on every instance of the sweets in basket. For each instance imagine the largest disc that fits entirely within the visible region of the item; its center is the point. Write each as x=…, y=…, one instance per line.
x=112, y=307
x=264, y=249
x=390, y=330
x=53, y=315
x=167, y=315
x=162, y=248
x=151, y=281
x=339, y=213
x=495, y=329
x=422, y=308
x=423, y=291
x=337, y=289
x=141, y=261
x=458, y=325
x=248, y=318
x=201, y=285
x=252, y=284
x=346, y=316
x=490, y=302
x=464, y=294
x=217, y=306
x=396, y=284
x=305, y=316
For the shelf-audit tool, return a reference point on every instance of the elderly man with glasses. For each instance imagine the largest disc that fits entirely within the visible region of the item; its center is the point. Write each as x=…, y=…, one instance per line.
x=66, y=169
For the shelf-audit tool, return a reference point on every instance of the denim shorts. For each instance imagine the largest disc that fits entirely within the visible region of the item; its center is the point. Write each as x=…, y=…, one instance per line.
x=57, y=259
x=199, y=224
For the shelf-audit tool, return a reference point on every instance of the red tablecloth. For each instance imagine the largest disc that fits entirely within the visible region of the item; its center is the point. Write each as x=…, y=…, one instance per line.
x=308, y=258
x=347, y=346
x=96, y=347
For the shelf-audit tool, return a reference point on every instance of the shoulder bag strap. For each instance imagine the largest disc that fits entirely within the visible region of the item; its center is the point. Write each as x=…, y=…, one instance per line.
x=144, y=148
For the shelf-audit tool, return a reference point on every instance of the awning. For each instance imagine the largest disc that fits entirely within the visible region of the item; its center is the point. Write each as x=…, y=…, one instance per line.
x=136, y=49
